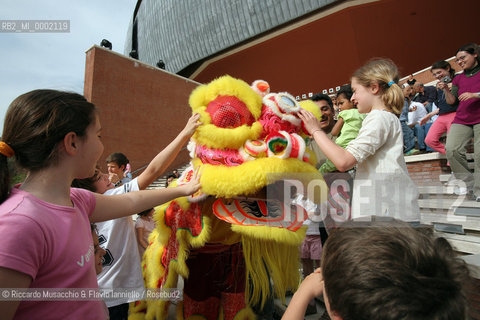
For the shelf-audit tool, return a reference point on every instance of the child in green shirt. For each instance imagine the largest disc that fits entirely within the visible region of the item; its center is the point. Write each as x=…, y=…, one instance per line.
x=348, y=124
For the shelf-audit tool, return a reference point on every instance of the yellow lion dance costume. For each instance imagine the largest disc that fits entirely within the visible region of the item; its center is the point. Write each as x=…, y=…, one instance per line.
x=235, y=248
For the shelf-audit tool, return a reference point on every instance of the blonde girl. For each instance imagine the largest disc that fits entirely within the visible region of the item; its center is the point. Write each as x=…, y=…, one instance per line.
x=382, y=185
x=45, y=224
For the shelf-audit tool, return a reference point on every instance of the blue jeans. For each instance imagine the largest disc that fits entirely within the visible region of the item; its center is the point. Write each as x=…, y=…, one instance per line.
x=421, y=133
x=408, y=137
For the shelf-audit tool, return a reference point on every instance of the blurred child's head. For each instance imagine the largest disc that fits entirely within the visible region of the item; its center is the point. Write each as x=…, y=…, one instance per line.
x=99, y=252
x=389, y=270
x=343, y=98
x=98, y=183
x=146, y=213
x=36, y=125
x=116, y=163
x=384, y=74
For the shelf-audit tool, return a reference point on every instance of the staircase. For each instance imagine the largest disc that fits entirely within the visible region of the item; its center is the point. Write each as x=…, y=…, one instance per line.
x=161, y=181
x=452, y=216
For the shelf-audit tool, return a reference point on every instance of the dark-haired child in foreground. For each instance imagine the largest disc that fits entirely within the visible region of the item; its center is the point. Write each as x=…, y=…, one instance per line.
x=385, y=270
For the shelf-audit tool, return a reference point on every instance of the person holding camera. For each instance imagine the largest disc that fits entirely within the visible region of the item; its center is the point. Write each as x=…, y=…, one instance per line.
x=466, y=124
x=444, y=113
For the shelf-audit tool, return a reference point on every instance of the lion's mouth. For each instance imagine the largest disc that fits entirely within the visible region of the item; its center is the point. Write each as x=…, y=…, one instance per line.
x=259, y=213
x=273, y=206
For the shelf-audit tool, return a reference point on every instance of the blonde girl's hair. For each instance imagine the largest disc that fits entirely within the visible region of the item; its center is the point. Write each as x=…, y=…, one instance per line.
x=385, y=73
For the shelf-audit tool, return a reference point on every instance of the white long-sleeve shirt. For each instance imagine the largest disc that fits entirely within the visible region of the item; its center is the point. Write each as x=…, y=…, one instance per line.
x=382, y=185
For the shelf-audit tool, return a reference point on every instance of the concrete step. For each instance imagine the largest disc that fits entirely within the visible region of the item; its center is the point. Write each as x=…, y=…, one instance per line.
x=425, y=157
x=444, y=177
x=436, y=190
x=448, y=203
x=468, y=223
x=160, y=182
x=462, y=243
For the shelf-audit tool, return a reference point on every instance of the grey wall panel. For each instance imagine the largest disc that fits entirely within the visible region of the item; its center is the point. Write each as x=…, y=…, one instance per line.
x=181, y=32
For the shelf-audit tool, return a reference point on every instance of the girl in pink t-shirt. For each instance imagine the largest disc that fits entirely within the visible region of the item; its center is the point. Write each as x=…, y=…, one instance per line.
x=45, y=224
x=144, y=225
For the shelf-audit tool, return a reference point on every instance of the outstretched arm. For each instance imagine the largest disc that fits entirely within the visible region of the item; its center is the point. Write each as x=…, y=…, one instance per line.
x=162, y=160
x=425, y=119
x=117, y=206
x=341, y=158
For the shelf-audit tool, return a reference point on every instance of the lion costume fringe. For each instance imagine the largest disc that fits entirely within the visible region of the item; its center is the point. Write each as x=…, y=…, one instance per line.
x=235, y=247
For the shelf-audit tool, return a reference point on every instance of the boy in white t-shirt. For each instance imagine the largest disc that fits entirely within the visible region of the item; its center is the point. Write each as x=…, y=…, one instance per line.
x=122, y=263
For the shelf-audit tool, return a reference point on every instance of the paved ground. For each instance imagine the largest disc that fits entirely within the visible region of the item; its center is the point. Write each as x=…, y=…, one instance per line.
x=279, y=308
x=320, y=308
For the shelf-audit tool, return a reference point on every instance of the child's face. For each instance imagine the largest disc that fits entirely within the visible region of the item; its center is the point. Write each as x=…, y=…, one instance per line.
x=113, y=167
x=343, y=103
x=362, y=97
x=102, y=183
x=99, y=253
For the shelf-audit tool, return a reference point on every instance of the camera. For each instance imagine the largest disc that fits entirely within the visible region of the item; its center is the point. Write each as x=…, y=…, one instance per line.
x=446, y=79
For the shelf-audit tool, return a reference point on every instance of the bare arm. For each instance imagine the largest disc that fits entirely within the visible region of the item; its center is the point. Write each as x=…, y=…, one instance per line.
x=341, y=158
x=337, y=128
x=140, y=232
x=117, y=206
x=468, y=95
x=449, y=96
x=424, y=120
x=311, y=287
x=162, y=160
x=12, y=279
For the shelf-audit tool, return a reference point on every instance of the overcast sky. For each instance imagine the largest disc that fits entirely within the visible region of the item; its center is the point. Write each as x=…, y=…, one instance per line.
x=56, y=60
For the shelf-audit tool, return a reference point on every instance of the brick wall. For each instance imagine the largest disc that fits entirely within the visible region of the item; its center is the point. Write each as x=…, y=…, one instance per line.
x=425, y=171
x=142, y=108
x=425, y=76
